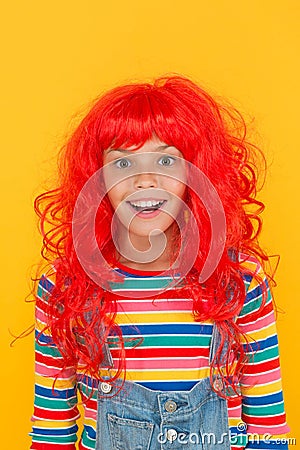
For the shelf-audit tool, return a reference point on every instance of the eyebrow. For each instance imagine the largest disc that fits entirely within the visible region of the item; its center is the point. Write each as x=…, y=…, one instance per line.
x=124, y=150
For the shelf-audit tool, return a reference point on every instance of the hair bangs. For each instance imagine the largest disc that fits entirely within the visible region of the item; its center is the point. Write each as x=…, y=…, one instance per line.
x=134, y=114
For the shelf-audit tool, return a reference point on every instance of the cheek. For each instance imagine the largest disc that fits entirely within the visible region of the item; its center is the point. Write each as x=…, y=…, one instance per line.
x=114, y=198
x=117, y=194
x=177, y=188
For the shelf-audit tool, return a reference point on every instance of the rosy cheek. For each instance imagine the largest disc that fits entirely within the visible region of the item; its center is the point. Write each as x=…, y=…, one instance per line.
x=113, y=198
x=178, y=189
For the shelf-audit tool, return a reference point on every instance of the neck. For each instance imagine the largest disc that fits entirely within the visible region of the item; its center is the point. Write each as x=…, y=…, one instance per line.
x=143, y=252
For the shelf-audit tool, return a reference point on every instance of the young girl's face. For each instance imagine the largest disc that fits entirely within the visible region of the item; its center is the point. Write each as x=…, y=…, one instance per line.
x=145, y=186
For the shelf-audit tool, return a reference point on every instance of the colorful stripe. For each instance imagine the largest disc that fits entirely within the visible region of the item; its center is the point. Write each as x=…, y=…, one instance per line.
x=170, y=352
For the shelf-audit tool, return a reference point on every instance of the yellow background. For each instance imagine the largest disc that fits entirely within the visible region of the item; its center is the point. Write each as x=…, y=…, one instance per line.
x=59, y=55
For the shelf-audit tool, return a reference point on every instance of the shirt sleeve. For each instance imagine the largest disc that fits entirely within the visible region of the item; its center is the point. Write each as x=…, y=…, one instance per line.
x=263, y=411
x=55, y=404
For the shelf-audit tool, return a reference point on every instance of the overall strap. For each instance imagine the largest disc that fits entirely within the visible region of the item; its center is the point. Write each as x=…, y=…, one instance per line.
x=215, y=343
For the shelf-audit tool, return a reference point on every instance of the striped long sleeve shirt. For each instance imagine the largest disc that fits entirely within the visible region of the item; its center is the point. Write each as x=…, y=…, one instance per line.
x=173, y=354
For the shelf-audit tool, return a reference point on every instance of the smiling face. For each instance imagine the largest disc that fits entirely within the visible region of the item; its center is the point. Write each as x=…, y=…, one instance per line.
x=145, y=187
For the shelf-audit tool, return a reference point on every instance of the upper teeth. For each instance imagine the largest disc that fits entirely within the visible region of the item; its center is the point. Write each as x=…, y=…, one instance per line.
x=144, y=204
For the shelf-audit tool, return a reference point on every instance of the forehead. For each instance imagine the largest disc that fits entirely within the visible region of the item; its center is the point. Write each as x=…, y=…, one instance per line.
x=153, y=145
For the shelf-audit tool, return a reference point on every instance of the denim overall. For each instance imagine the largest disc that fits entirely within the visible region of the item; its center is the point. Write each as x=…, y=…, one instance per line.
x=138, y=418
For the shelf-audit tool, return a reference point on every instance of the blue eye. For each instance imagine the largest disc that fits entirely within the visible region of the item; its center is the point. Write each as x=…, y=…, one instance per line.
x=123, y=163
x=167, y=160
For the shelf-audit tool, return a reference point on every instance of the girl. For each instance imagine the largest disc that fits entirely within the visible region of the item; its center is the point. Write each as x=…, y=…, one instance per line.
x=155, y=310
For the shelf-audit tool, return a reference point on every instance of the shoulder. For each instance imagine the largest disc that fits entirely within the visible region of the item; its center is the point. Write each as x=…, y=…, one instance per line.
x=257, y=289
x=44, y=289
x=251, y=267
x=46, y=284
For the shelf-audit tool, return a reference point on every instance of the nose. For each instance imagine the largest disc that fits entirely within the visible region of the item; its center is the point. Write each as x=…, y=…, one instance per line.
x=145, y=180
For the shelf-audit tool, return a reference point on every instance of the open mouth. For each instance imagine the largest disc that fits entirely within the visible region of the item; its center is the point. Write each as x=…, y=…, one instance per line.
x=147, y=206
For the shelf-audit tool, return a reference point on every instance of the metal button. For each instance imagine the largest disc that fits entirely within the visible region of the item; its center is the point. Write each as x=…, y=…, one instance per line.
x=171, y=434
x=170, y=406
x=218, y=384
x=105, y=387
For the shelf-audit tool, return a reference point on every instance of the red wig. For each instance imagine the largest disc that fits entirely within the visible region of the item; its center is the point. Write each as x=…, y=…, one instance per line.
x=211, y=136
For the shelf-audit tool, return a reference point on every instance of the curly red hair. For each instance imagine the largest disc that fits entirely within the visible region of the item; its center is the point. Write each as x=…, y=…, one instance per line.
x=210, y=135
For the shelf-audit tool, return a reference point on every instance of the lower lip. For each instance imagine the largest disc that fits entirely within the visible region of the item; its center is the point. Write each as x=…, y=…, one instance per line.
x=148, y=215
